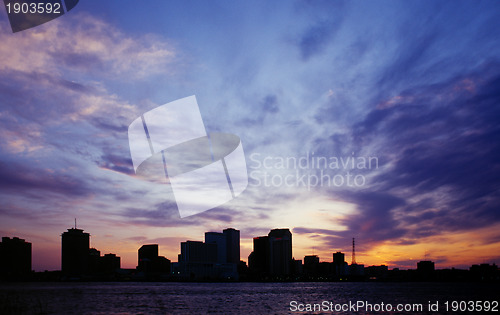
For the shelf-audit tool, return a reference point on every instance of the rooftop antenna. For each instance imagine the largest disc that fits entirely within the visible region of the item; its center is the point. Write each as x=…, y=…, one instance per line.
x=353, y=262
x=75, y=223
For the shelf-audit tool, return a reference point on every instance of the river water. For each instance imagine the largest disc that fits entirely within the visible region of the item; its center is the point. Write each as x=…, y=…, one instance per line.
x=238, y=298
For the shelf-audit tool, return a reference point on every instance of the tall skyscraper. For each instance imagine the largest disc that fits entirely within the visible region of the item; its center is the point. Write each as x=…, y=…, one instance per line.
x=338, y=258
x=219, y=239
x=194, y=252
x=258, y=261
x=272, y=254
x=339, y=265
x=232, y=245
x=15, y=257
x=228, y=245
x=216, y=258
x=280, y=252
x=94, y=260
x=147, y=253
x=75, y=252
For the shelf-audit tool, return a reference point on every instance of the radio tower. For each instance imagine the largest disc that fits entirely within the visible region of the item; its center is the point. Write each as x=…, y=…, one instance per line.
x=353, y=262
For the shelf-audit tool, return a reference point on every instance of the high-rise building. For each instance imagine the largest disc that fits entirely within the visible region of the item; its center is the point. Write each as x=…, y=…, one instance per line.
x=232, y=245
x=211, y=259
x=99, y=265
x=228, y=245
x=258, y=261
x=195, y=251
x=297, y=267
x=15, y=257
x=338, y=258
x=146, y=255
x=94, y=260
x=75, y=252
x=280, y=252
x=219, y=239
x=272, y=254
x=339, y=265
x=150, y=262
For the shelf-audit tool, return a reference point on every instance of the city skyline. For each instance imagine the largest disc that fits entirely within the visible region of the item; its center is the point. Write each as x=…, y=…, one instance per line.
x=217, y=259
x=376, y=120
x=77, y=240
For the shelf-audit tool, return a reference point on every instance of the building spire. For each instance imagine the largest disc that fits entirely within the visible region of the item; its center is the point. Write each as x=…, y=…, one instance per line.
x=75, y=223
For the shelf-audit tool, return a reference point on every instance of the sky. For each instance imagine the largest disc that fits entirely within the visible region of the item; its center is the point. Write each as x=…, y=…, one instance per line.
x=378, y=120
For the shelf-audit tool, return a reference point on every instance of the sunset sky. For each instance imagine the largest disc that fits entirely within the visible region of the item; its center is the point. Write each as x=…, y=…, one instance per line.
x=413, y=85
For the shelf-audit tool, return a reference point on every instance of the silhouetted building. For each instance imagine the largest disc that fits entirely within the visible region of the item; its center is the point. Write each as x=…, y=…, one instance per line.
x=484, y=272
x=94, y=261
x=150, y=262
x=377, y=272
x=297, y=267
x=232, y=245
x=243, y=271
x=425, y=270
x=258, y=261
x=251, y=262
x=356, y=271
x=453, y=274
x=311, y=265
x=325, y=270
x=339, y=265
x=219, y=239
x=15, y=257
x=199, y=261
x=75, y=252
x=195, y=251
x=338, y=258
x=102, y=265
x=110, y=263
x=146, y=255
x=272, y=254
x=280, y=252
x=228, y=245
x=425, y=266
x=164, y=264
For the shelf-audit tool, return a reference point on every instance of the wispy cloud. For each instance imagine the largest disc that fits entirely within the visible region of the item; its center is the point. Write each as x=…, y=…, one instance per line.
x=87, y=44
x=442, y=174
